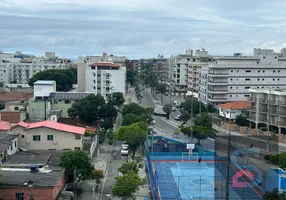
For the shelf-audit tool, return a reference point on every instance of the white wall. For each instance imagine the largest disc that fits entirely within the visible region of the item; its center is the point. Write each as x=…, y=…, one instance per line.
x=14, y=147
x=118, y=80
x=62, y=140
x=229, y=113
x=43, y=90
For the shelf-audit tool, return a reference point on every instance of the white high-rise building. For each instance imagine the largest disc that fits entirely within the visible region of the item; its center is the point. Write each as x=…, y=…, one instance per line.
x=101, y=78
x=230, y=78
x=19, y=68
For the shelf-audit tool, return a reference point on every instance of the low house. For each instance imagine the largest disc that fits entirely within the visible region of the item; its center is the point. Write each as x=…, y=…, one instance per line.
x=232, y=109
x=14, y=112
x=4, y=126
x=49, y=135
x=22, y=179
x=14, y=96
x=8, y=145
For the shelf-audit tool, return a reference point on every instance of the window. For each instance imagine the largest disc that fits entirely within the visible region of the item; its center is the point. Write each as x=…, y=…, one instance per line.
x=50, y=137
x=15, y=143
x=67, y=101
x=231, y=79
x=247, y=71
x=263, y=79
x=16, y=108
x=263, y=57
x=246, y=95
x=257, y=87
x=22, y=136
x=263, y=71
x=246, y=87
x=92, y=67
x=77, y=137
x=77, y=148
x=231, y=71
x=258, y=79
x=247, y=79
x=94, y=88
x=274, y=79
x=237, y=70
x=278, y=70
x=230, y=95
x=20, y=196
x=258, y=70
x=273, y=71
x=262, y=87
x=230, y=87
x=36, y=138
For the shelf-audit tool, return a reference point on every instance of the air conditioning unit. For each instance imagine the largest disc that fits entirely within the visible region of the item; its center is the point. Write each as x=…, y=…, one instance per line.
x=27, y=142
x=55, y=142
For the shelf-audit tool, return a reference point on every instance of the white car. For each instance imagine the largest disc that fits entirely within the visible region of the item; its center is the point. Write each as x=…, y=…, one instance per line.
x=124, y=151
x=178, y=117
x=124, y=144
x=174, y=108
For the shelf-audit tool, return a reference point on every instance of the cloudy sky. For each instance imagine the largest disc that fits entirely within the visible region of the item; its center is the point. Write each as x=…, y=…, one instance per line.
x=141, y=28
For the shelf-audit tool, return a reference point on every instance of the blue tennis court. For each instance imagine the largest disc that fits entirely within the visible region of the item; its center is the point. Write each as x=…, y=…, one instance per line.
x=190, y=180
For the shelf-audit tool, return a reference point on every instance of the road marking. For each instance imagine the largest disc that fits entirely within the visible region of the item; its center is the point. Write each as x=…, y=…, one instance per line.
x=170, y=123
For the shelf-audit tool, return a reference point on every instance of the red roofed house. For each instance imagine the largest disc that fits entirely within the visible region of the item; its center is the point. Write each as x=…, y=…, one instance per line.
x=231, y=109
x=4, y=126
x=101, y=77
x=49, y=135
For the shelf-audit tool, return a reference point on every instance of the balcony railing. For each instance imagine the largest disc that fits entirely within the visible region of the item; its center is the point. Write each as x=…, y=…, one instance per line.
x=283, y=123
x=262, y=119
x=253, y=118
x=218, y=98
x=282, y=113
x=218, y=73
x=218, y=81
x=263, y=110
x=251, y=99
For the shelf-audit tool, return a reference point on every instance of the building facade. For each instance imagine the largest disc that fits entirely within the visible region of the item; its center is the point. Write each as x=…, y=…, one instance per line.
x=268, y=108
x=19, y=68
x=49, y=135
x=203, y=85
x=101, y=78
x=230, y=78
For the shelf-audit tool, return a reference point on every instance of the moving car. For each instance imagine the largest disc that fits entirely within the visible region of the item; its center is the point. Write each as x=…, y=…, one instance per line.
x=159, y=111
x=124, y=151
x=177, y=117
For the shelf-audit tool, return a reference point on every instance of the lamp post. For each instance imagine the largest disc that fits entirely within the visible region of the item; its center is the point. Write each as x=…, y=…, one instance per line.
x=29, y=184
x=268, y=118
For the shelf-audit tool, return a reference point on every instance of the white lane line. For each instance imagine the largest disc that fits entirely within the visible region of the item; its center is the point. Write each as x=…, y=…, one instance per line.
x=170, y=123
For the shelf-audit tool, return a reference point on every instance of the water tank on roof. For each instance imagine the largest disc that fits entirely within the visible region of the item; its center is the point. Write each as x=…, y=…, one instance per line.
x=34, y=168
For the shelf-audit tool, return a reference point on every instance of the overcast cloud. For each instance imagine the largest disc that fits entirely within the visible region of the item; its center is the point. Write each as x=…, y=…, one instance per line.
x=141, y=28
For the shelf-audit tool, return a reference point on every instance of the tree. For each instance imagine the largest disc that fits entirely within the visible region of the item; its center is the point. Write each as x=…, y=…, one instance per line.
x=167, y=109
x=241, y=120
x=126, y=185
x=132, y=108
x=203, y=120
x=133, y=134
x=185, y=116
x=65, y=78
x=278, y=160
x=130, y=167
x=131, y=118
x=161, y=88
x=116, y=99
x=79, y=162
x=197, y=106
x=131, y=74
x=97, y=175
x=92, y=108
x=274, y=195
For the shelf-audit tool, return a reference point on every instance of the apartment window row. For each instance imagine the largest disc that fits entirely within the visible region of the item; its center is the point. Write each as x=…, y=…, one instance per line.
x=246, y=95
x=248, y=79
x=38, y=137
x=248, y=71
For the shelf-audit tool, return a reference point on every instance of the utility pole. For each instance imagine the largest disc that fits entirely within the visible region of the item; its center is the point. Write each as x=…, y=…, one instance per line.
x=192, y=108
x=45, y=99
x=268, y=118
x=74, y=183
x=228, y=159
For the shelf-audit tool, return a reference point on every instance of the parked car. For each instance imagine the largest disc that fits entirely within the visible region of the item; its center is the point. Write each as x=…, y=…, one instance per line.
x=124, y=151
x=174, y=108
x=124, y=144
x=177, y=117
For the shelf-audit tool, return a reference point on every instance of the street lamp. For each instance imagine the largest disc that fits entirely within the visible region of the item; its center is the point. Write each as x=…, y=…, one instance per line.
x=29, y=184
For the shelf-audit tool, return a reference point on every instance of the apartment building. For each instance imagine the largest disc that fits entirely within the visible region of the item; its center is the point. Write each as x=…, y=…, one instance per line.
x=268, y=107
x=19, y=68
x=101, y=78
x=183, y=69
x=203, y=85
x=230, y=78
x=119, y=60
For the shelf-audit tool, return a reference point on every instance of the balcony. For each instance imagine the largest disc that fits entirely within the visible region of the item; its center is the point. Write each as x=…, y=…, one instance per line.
x=251, y=99
x=283, y=113
x=218, y=82
x=262, y=119
x=218, y=74
x=217, y=91
x=273, y=112
x=271, y=102
x=282, y=123
x=262, y=110
x=217, y=99
x=251, y=118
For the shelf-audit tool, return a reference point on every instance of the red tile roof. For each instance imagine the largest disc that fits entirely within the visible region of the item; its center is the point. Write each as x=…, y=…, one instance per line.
x=53, y=125
x=235, y=105
x=14, y=96
x=103, y=65
x=4, y=126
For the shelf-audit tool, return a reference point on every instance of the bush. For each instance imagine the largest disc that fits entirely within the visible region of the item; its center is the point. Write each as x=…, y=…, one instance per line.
x=263, y=128
x=110, y=136
x=101, y=137
x=89, y=134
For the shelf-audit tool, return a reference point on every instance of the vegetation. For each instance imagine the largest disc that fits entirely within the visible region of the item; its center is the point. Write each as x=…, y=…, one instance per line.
x=127, y=185
x=197, y=106
x=91, y=109
x=97, y=175
x=110, y=136
x=65, y=78
x=185, y=117
x=134, y=109
x=278, y=160
x=167, y=109
x=79, y=162
x=202, y=128
x=116, y=99
x=131, y=76
x=274, y=195
x=2, y=84
x=133, y=134
x=161, y=88
x=241, y=120
x=130, y=167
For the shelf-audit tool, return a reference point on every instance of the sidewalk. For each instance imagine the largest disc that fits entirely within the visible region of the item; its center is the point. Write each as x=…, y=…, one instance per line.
x=131, y=96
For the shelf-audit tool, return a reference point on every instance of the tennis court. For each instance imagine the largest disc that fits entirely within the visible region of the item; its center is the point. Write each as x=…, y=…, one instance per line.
x=190, y=180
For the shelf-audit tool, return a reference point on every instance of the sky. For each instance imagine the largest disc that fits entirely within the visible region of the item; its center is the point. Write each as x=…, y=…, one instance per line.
x=141, y=28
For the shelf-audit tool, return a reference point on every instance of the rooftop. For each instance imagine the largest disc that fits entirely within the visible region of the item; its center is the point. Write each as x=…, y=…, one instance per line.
x=11, y=177
x=6, y=141
x=4, y=126
x=27, y=158
x=53, y=125
x=68, y=95
x=15, y=96
x=44, y=82
x=80, y=123
x=235, y=105
x=104, y=65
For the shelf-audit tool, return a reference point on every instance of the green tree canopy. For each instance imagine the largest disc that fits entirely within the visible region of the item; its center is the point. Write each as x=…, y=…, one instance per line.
x=131, y=118
x=197, y=106
x=133, y=134
x=126, y=185
x=79, y=161
x=185, y=116
x=167, y=109
x=116, y=99
x=131, y=74
x=278, y=160
x=203, y=120
x=97, y=175
x=130, y=167
x=274, y=195
x=133, y=108
x=65, y=78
